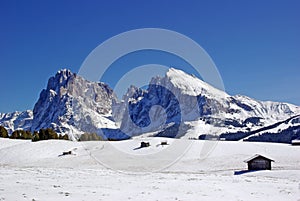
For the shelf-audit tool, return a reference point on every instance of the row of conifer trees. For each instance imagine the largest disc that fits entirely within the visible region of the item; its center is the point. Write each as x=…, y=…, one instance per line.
x=42, y=134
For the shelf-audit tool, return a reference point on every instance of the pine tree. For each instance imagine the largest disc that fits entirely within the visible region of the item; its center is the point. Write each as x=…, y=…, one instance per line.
x=65, y=137
x=51, y=134
x=28, y=135
x=84, y=137
x=15, y=135
x=22, y=134
x=35, y=137
x=42, y=134
x=47, y=134
x=3, y=132
x=90, y=137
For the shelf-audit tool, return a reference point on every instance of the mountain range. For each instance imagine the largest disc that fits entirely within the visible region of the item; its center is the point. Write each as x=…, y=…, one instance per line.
x=177, y=105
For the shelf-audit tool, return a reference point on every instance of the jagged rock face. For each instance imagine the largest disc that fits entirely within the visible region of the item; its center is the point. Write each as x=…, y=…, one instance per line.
x=16, y=120
x=71, y=104
x=179, y=98
x=176, y=105
x=162, y=105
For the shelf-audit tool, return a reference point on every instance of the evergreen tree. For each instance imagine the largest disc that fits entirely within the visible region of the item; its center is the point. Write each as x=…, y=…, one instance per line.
x=47, y=134
x=83, y=137
x=3, y=132
x=90, y=137
x=28, y=135
x=65, y=137
x=95, y=137
x=51, y=134
x=43, y=135
x=21, y=134
x=15, y=135
x=35, y=137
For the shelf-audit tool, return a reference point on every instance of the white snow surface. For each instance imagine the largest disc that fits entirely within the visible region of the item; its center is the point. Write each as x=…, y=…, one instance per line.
x=37, y=171
x=192, y=85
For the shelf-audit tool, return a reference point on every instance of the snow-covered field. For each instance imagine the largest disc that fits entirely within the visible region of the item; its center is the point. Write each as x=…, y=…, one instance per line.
x=121, y=170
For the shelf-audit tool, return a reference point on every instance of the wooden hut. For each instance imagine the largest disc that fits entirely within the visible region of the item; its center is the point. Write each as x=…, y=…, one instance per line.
x=296, y=142
x=145, y=144
x=259, y=162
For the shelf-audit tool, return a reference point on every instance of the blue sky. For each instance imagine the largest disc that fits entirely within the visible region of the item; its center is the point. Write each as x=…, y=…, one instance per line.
x=254, y=44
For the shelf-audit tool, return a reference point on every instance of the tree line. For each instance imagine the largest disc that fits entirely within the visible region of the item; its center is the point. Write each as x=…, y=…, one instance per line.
x=90, y=137
x=42, y=134
x=45, y=134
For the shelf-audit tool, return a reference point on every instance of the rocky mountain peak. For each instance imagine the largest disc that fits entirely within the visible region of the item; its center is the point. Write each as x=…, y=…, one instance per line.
x=175, y=105
x=72, y=104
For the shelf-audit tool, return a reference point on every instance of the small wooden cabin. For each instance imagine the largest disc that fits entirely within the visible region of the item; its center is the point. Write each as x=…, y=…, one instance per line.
x=145, y=144
x=296, y=142
x=259, y=162
x=67, y=153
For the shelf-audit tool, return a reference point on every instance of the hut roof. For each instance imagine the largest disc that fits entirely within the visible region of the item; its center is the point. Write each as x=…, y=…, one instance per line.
x=256, y=156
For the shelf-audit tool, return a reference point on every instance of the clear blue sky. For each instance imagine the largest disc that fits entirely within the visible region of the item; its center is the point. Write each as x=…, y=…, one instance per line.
x=255, y=44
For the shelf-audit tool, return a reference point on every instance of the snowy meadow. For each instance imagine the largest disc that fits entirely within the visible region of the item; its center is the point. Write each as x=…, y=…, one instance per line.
x=39, y=171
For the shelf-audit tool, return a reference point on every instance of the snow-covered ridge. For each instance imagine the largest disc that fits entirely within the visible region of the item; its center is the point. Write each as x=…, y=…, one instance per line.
x=191, y=85
x=196, y=106
x=16, y=120
x=177, y=102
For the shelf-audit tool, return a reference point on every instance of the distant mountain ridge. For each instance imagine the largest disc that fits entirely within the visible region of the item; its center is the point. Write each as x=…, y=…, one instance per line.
x=194, y=108
x=176, y=105
x=16, y=120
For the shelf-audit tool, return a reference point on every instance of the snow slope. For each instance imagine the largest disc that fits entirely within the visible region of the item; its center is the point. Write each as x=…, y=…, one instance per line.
x=16, y=120
x=37, y=171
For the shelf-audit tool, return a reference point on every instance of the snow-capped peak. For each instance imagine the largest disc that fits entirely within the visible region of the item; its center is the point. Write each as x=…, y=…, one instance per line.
x=70, y=104
x=186, y=98
x=190, y=84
